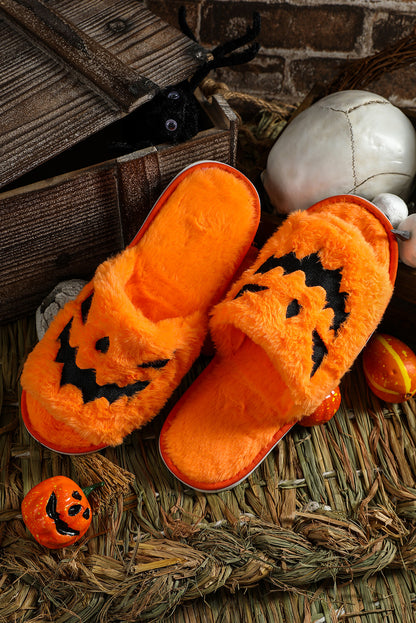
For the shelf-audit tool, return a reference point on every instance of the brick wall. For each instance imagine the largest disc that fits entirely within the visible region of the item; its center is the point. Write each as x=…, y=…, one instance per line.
x=303, y=42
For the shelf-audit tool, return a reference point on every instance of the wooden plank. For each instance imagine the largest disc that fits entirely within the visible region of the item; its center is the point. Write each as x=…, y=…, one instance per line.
x=223, y=116
x=45, y=108
x=137, y=37
x=54, y=231
x=139, y=186
x=122, y=85
x=206, y=145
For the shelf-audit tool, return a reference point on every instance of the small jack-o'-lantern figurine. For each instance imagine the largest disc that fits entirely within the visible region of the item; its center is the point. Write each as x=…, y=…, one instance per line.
x=57, y=512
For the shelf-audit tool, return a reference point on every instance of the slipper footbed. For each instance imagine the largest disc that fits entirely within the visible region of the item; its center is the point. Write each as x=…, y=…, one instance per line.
x=229, y=436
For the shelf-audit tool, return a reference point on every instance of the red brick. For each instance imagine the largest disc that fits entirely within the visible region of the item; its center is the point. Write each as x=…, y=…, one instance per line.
x=319, y=28
x=260, y=76
x=306, y=73
x=308, y=42
x=389, y=28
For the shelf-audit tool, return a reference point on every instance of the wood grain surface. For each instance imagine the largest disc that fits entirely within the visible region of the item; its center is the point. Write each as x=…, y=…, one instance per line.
x=48, y=104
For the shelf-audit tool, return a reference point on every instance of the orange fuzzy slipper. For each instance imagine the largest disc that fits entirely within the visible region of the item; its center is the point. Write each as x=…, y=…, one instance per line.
x=285, y=334
x=113, y=356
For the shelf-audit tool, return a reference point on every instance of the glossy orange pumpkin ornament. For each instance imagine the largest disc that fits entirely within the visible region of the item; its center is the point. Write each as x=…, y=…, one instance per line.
x=57, y=512
x=325, y=411
x=390, y=368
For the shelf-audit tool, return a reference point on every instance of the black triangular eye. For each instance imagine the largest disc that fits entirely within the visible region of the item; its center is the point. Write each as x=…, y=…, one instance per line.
x=76, y=495
x=103, y=344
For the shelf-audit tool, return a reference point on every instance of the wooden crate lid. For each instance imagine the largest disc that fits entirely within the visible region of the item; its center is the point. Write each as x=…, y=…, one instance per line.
x=69, y=69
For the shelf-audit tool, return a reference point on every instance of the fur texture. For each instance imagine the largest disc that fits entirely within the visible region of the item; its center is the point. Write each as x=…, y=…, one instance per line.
x=112, y=357
x=285, y=334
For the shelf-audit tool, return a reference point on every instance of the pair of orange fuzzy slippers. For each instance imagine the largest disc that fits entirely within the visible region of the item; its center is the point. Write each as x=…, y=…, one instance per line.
x=285, y=332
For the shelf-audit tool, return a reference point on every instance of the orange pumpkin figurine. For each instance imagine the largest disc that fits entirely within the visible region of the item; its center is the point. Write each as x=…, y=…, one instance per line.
x=57, y=512
x=390, y=368
x=325, y=411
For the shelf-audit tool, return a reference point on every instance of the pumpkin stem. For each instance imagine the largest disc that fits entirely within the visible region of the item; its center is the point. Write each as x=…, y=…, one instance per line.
x=92, y=488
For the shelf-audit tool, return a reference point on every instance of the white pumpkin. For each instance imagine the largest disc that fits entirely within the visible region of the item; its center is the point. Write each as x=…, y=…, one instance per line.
x=407, y=248
x=352, y=142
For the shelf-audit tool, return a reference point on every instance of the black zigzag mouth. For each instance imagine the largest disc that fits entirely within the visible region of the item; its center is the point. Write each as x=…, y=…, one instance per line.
x=315, y=275
x=85, y=379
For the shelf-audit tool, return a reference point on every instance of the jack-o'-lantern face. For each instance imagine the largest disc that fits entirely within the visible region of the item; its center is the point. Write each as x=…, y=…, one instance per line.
x=56, y=512
x=323, y=310
x=84, y=378
x=106, y=366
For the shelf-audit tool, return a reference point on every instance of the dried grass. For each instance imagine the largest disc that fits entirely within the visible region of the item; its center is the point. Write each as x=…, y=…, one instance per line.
x=324, y=528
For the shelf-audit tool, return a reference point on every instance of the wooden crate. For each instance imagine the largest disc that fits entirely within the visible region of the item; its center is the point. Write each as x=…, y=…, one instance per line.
x=70, y=72
x=69, y=69
x=65, y=226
